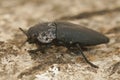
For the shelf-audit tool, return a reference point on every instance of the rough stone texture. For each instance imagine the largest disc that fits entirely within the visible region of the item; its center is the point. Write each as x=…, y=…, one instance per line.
x=18, y=64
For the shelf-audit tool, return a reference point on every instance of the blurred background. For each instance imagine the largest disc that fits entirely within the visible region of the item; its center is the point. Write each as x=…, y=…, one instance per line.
x=99, y=15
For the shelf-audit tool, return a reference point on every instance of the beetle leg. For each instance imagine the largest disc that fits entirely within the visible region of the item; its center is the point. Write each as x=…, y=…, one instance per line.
x=80, y=50
x=45, y=48
x=41, y=48
x=72, y=49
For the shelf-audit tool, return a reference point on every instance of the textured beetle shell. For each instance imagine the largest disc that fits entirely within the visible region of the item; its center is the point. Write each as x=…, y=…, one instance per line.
x=72, y=33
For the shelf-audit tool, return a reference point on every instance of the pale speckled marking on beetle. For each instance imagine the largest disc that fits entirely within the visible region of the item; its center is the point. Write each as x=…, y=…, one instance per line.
x=48, y=36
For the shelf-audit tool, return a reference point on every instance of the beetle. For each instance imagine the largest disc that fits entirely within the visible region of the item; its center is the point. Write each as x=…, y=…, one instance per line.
x=63, y=34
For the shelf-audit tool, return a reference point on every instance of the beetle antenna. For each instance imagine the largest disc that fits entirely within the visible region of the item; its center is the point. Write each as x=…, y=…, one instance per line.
x=22, y=44
x=23, y=31
x=25, y=34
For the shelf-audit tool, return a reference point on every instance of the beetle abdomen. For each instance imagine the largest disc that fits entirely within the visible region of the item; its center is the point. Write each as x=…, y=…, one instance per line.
x=72, y=33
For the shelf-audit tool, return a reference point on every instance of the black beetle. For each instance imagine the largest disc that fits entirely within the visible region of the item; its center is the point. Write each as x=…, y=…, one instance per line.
x=65, y=34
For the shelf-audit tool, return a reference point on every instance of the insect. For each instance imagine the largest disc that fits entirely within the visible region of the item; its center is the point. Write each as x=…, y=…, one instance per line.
x=63, y=34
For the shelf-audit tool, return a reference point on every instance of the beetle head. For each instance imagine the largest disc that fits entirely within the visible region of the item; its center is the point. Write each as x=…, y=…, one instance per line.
x=37, y=34
x=31, y=38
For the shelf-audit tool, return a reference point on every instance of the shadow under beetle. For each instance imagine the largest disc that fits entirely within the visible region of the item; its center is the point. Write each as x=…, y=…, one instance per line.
x=63, y=34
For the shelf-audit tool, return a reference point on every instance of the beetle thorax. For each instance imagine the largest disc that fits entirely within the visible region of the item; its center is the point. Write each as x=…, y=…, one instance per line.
x=47, y=36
